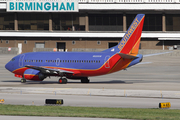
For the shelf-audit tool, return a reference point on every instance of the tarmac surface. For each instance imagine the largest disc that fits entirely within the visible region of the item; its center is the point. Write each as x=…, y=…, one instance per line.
x=160, y=73
x=141, y=86
x=89, y=101
x=51, y=118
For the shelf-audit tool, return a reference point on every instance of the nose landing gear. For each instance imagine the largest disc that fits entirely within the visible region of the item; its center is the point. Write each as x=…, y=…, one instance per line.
x=23, y=80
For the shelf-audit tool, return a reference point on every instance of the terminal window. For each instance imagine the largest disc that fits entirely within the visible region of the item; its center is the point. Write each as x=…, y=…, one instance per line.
x=6, y=21
x=106, y=22
x=66, y=22
x=172, y=22
x=152, y=22
x=33, y=21
x=39, y=45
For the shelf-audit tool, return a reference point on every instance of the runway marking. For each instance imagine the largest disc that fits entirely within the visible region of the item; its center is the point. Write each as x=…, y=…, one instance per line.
x=61, y=88
x=88, y=91
x=53, y=89
x=144, y=63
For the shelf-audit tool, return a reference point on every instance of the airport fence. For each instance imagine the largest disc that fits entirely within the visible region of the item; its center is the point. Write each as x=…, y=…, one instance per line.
x=9, y=50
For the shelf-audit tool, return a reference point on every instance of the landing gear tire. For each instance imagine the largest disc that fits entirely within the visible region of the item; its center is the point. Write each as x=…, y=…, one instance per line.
x=62, y=81
x=23, y=80
x=84, y=80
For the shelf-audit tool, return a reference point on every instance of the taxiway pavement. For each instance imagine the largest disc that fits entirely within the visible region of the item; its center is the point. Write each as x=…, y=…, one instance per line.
x=89, y=101
x=51, y=118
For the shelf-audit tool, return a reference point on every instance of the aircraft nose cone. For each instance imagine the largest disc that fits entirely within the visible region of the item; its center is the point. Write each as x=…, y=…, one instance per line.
x=7, y=66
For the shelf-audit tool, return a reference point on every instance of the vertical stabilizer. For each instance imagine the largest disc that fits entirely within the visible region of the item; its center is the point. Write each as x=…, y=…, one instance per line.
x=129, y=44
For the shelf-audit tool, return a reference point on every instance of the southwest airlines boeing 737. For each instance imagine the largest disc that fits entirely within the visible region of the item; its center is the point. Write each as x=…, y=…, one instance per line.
x=80, y=65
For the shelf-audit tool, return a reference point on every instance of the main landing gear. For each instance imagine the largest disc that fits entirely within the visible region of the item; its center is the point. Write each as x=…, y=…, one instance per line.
x=23, y=80
x=84, y=80
x=62, y=81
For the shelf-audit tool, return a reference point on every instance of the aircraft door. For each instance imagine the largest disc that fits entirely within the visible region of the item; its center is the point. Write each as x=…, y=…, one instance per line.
x=57, y=62
x=106, y=61
x=21, y=60
x=20, y=48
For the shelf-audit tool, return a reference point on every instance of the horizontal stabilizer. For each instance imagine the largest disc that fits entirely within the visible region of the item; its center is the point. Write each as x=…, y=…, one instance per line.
x=156, y=54
x=126, y=56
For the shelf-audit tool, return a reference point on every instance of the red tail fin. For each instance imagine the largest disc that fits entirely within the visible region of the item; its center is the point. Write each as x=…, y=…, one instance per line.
x=131, y=40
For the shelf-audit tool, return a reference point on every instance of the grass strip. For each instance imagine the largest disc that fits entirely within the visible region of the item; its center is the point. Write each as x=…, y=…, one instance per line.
x=95, y=112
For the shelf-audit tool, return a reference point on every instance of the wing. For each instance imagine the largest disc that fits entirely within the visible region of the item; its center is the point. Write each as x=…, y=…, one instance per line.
x=49, y=71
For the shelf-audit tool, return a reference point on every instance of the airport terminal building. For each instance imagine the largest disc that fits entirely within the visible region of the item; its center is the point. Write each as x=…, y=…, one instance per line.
x=86, y=25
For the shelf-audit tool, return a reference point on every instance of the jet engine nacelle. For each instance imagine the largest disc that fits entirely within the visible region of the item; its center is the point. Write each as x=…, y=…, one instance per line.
x=31, y=74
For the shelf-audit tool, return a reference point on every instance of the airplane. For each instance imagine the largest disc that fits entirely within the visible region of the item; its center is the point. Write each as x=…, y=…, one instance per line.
x=37, y=66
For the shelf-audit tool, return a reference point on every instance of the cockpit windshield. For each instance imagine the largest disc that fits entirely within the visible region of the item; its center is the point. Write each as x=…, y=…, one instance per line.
x=13, y=59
